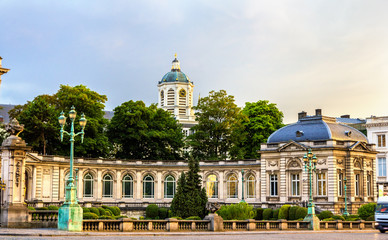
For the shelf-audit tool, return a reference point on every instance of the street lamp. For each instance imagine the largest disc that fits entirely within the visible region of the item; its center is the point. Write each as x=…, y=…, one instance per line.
x=70, y=213
x=242, y=181
x=310, y=162
x=346, y=199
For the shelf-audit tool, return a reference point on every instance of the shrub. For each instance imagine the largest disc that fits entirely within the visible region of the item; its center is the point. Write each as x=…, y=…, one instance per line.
x=105, y=217
x=51, y=207
x=325, y=214
x=115, y=211
x=267, y=214
x=152, y=211
x=193, y=218
x=352, y=218
x=338, y=217
x=239, y=211
x=90, y=215
x=95, y=211
x=104, y=206
x=108, y=213
x=178, y=218
x=102, y=211
x=283, y=212
x=259, y=214
x=292, y=212
x=85, y=209
x=42, y=208
x=31, y=208
x=275, y=214
x=121, y=216
x=163, y=213
x=370, y=218
x=141, y=218
x=301, y=212
x=366, y=210
x=328, y=219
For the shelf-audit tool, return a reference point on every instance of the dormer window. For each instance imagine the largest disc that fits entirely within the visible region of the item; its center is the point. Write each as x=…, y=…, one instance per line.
x=299, y=133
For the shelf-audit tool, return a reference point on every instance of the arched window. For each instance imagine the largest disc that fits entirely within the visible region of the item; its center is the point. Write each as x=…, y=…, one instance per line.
x=88, y=185
x=169, y=187
x=148, y=187
x=212, y=186
x=127, y=186
x=232, y=186
x=251, y=186
x=107, y=186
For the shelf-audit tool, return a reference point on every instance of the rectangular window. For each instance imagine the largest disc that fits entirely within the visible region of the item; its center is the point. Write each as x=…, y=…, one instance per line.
x=381, y=140
x=382, y=167
x=295, y=184
x=273, y=185
x=357, y=184
x=340, y=184
x=321, y=184
x=368, y=185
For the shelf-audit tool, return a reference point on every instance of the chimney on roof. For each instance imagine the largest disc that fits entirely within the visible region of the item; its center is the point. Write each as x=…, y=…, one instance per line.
x=301, y=115
x=318, y=112
x=345, y=116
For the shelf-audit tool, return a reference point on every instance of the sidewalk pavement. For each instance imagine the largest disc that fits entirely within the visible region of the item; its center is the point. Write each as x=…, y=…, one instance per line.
x=52, y=232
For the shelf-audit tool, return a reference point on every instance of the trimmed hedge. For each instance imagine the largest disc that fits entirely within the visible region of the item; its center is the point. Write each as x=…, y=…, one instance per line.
x=115, y=210
x=95, y=211
x=90, y=215
x=325, y=214
x=283, y=212
x=292, y=212
x=267, y=214
x=53, y=207
x=152, y=211
x=85, y=209
x=259, y=214
x=163, y=213
x=338, y=217
x=301, y=212
x=102, y=211
x=275, y=214
x=31, y=208
x=193, y=218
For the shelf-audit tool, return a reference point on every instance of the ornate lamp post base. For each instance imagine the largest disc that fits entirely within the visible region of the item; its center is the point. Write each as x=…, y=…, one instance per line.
x=312, y=218
x=70, y=214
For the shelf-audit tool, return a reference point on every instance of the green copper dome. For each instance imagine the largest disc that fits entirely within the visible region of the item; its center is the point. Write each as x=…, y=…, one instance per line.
x=175, y=75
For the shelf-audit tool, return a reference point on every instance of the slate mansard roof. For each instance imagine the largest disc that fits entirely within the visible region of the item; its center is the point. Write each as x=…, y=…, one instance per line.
x=317, y=128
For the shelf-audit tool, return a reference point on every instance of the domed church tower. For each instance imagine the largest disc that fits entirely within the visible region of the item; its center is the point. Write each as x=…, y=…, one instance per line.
x=176, y=96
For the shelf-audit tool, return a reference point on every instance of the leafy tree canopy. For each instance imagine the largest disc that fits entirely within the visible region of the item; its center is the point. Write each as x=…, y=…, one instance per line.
x=262, y=119
x=219, y=130
x=141, y=132
x=41, y=127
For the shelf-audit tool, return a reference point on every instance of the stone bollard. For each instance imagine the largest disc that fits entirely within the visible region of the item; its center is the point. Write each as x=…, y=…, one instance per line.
x=172, y=224
x=216, y=222
x=251, y=225
x=127, y=225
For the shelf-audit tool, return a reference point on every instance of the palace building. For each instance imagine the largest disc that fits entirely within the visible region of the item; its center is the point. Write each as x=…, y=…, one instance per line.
x=277, y=178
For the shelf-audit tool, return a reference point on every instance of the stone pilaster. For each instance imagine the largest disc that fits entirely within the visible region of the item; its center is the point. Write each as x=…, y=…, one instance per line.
x=282, y=180
x=332, y=183
x=263, y=182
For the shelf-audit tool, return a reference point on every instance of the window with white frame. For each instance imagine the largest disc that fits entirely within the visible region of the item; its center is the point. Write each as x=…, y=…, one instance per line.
x=251, y=183
x=382, y=167
x=357, y=184
x=340, y=184
x=148, y=187
x=273, y=180
x=381, y=140
x=232, y=186
x=368, y=185
x=295, y=185
x=88, y=185
x=321, y=184
x=107, y=186
x=127, y=186
x=169, y=187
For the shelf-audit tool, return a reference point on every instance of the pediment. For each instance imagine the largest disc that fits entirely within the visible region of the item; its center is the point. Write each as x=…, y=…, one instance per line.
x=292, y=146
x=31, y=158
x=360, y=146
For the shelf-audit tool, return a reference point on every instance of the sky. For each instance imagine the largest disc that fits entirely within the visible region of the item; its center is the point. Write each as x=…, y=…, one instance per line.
x=301, y=55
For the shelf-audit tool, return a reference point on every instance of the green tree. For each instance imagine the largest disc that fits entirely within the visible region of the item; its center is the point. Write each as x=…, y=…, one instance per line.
x=141, y=132
x=190, y=198
x=219, y=131
x=91, y=103
x=41, y=129
x=262, y=119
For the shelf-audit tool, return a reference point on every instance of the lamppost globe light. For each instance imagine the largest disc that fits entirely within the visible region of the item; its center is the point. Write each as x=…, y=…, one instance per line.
x=62, y=119
x=72, y=113
x=82, y=121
